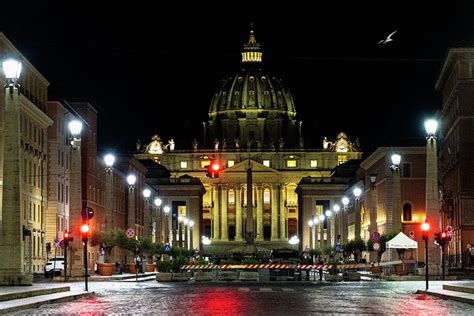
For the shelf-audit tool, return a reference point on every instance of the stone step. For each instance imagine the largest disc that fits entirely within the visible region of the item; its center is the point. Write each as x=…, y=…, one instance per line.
x=36, y=301
x=451, y=295
x=24, y=292
x=459, y=288
x=142, y=279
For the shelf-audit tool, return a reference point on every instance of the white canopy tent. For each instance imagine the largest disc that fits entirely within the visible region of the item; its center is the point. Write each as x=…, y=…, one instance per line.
x=402, y=241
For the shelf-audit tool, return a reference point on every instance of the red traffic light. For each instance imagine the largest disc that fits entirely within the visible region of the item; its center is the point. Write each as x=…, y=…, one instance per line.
x=425, y=227
x=66, y=235
x=84, y=228
x=444, y=235
x=214, y=169
x=215, y=166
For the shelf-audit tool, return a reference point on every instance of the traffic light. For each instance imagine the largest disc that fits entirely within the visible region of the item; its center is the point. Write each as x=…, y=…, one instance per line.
x=444, y=238
x=425, y=227
x=437, y=238
x=67, y=237
x=85, y=232
x=214, y=169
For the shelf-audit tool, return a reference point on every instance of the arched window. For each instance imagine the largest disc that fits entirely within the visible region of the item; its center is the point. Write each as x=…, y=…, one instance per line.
x=407, y=212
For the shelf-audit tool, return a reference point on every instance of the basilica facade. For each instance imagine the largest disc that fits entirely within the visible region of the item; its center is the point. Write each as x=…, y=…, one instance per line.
x=252, y=124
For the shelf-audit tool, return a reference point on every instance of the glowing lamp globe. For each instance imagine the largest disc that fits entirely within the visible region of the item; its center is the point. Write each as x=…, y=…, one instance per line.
x=191, y=223
x=310, y=223
x=328, y=213
x=146, y=193
x=131, y=179
x=157, y=202
x=321, y=217
x=166, y=209
x=75, y=127
x=336, y=208
x=357, y=192
x=431, y=126
x=12, y=69
x=345, y=201
x=396, y=158
x=109, y=160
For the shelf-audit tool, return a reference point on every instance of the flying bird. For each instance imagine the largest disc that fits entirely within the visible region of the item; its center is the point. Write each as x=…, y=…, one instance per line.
x=388, y=39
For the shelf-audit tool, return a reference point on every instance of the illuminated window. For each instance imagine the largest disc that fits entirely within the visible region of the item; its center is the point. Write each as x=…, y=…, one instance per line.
x=184, y=164
x=205, y=163
x=266, y=163
x=314, y=163
x=291, y=163
x=230, y=163
x=231, y=196
x=341, y=159
x=266, y=196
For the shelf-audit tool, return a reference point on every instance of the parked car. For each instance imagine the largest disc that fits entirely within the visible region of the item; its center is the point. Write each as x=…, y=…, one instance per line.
x=57, y=264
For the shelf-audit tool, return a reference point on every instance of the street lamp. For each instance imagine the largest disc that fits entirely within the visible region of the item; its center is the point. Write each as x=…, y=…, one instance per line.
x=146, y=194
x=109, y=160
x=432, y=192
x=396, y=158
x=310, y=224
x=294, y=240
x=12, y=71
x=191, y=225
x=357, y=192
x=373, y=180
x=345, y=201
x=75, y=128
x=157, y=202
x=167, y=210
x=185, y=224
x=131, y=179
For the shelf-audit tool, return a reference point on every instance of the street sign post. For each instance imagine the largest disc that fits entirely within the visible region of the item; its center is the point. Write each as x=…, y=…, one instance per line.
x=412, y=234
x=167, y=248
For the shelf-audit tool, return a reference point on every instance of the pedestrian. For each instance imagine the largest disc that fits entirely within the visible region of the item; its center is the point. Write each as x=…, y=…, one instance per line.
x=320, y=262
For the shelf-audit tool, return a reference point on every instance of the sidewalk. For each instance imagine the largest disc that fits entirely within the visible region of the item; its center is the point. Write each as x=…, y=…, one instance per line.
x=16, y=298
x=461, y=292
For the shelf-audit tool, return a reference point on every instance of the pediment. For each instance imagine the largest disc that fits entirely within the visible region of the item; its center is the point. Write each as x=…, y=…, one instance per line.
x=244, y=165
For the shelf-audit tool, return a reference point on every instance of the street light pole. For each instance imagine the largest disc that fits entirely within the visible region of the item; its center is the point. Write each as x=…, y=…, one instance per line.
x=167, y=210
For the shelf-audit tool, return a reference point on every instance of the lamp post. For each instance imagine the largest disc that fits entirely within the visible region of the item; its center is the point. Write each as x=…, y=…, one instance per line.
x=180, y=231
x=167, y=210
x=345, y=203
x=147, y=213
x=396, y=212
x=185, y=226
x=432, y=193
x=109, y=161
x=159, y=228
x=294, y=241
x=328, y=214
x=131, y=179
x=75, y=201
x=372, y=202
x=311, y=224
x=357, y=193
x=191, y=225
x=13, y=233
x=337, y=223
x=206, y=241
x=321, y=230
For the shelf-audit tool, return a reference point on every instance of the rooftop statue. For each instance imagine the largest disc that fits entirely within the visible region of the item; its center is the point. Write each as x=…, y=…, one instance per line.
x=195, y=144
x=156, y=146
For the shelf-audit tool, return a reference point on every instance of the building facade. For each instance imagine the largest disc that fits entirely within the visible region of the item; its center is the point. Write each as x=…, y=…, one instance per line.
x=456, y=167
x=252, y=124
x=24, y=163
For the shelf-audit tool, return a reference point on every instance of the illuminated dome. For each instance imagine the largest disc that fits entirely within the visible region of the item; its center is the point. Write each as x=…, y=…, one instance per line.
x=253, y=108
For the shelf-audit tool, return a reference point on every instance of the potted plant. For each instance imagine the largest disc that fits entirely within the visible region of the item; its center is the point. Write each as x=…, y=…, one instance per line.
x=108, y=240
x=164, y=271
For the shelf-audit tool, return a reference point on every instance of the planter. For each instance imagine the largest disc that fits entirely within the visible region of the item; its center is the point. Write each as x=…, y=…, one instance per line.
x=131, y=268
x=105, y=268
x=333, y=278
x=351, y=276
x=150, y=267
x=164, y=276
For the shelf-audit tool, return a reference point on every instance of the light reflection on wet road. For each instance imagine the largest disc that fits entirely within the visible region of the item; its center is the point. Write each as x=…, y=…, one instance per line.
x=256, y=299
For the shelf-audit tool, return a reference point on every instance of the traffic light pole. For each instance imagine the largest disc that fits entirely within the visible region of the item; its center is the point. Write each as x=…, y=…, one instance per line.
x=65, y=261
x=85, y=265
x=426, y=262
x=442, y=258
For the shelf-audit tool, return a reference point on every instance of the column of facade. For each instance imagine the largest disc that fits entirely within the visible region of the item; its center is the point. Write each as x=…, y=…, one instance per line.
x=238, y=214
x=224, y=230
x=274, y=218
x=215, y=212
x=195, y=205
x=282, y=213
x=259, y=236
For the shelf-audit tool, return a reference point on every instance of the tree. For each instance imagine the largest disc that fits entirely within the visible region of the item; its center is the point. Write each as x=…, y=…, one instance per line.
x=108, y=239
x=354, y=247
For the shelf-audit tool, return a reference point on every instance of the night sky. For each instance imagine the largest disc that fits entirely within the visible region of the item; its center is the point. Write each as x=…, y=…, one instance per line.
x=151, y=67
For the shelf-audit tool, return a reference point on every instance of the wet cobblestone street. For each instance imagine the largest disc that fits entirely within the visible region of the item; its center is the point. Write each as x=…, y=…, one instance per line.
x=256, y=299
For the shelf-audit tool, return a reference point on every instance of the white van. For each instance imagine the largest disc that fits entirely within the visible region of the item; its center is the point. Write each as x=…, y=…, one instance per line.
x=56, y=263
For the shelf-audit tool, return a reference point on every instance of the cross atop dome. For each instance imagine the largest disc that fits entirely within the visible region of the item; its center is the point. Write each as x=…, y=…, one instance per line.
x=252, y=51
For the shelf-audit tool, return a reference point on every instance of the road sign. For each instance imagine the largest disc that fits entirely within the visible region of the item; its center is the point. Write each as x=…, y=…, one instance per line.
x=412, y=234
x=167, y=248
x=56, y=242
x=61, y=244
x=130, y=233
x=338, y=247
x=87, y=213
x=375, y=236
x=376, y=246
